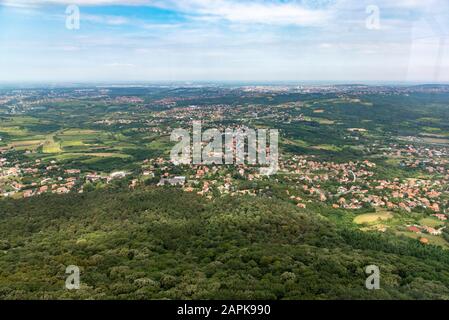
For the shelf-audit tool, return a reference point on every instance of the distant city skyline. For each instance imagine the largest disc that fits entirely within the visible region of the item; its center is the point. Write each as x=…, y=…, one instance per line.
x=122, y=41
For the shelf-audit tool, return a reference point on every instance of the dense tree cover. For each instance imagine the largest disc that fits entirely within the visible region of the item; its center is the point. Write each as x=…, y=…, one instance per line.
x=166, y=244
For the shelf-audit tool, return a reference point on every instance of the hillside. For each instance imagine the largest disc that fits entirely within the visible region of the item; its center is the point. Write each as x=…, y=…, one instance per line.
x=167, y=244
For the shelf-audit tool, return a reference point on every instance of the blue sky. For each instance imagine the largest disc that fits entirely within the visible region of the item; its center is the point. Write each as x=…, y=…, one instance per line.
x=225, y=40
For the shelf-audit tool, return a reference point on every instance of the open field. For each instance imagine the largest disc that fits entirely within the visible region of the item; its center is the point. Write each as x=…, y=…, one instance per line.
x=435, y=240
x=431, y=222
x=320, y=120
x=51, y=146
x=327, y=147
x=436, y=140
x=13, y=131
x=373, y=217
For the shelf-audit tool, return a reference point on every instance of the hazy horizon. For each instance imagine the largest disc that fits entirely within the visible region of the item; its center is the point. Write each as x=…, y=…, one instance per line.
x=69, y=84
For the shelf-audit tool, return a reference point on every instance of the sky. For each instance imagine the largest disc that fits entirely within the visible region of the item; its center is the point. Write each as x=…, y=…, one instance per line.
x=224, y=40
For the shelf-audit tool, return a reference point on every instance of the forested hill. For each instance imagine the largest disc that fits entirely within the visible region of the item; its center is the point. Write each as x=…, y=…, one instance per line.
x=159, y=244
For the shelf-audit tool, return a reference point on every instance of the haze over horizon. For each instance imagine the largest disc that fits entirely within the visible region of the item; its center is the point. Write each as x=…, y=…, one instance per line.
x=198, y=40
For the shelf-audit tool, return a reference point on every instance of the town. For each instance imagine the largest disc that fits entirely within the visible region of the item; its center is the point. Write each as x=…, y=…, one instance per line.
x=377, y=179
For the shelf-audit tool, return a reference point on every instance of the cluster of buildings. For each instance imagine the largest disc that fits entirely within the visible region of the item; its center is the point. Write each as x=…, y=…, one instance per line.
x=426, y=229
x=354, y=185
x=31, y=179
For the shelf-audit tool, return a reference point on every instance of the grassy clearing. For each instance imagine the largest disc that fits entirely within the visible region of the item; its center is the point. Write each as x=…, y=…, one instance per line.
x=435, y=240
x=429, y=120
x=76, y=132
x=436, y=140
x=431, y=130
x=296, y=142
x=14, y=131
x=373, y=217
x=320, y=120
x=440, y=134
x=327, y=147
x=162, y=144
x=87, y=156
x=107, y=155
x=430, y=222
x=24, y=120
x=26, y=144
x=72, y=143
x=51, y=146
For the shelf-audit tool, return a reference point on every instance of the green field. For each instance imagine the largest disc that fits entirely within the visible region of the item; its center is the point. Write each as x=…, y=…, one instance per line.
x=373, y=217
x=431, y=222
x=51, y=146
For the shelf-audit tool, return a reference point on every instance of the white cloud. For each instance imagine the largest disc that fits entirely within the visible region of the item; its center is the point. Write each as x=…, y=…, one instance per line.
x=120, y=65
x=257, y=11
x=261, y=12
x=275, y=12
x=105, y=19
